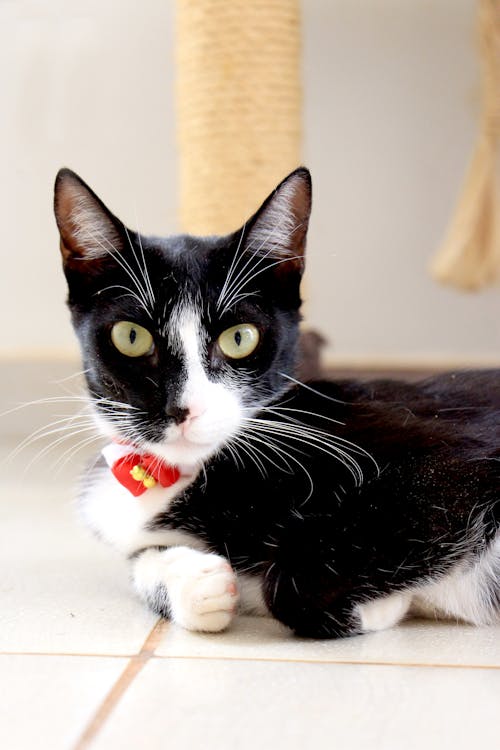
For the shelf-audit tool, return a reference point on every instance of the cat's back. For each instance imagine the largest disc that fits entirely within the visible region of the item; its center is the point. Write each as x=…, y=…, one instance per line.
x=454, y=408
x=474, y=391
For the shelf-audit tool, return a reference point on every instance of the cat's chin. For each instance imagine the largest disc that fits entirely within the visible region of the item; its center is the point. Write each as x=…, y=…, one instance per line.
x=183, y=452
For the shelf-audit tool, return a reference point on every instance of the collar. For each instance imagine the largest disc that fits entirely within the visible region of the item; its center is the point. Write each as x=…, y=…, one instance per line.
x=138, y=472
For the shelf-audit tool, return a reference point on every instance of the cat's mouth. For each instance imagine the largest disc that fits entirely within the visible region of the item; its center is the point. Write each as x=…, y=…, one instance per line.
x=190, y=444
x=183, y=451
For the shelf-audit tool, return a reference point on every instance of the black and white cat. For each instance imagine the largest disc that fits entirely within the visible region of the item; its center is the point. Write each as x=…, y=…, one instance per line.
x=336, y=507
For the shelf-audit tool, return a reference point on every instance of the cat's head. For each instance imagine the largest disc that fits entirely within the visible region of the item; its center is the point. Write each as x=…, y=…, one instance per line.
x=183, y=338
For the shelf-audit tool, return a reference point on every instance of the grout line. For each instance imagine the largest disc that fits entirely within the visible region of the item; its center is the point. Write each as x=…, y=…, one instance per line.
x=336, y=662
x=118, y=690
x=242, y=657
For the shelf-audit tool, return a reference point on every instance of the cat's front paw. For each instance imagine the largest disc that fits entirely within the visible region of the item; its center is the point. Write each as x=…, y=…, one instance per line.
x=196, y=590
x=206, y=595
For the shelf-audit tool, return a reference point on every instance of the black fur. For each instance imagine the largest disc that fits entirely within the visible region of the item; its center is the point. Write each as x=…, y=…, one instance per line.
x=182, y=267
x=322, y=538
x=437, y=446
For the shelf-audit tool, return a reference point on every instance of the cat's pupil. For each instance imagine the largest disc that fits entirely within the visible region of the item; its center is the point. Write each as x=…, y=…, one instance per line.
x=133, y=335
x=237, y=337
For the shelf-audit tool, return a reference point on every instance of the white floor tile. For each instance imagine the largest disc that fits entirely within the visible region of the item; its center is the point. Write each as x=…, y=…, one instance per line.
x=60, y=591
x=186, y=703
x=46, y=701
x=414, y=642
x=256, y=685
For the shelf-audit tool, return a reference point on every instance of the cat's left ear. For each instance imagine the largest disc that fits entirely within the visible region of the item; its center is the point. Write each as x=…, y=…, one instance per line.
x=278, y=230
x=89, y=231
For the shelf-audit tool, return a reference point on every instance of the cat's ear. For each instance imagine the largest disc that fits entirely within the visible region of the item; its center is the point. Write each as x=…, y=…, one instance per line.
x=278, y=230
x=88, y=230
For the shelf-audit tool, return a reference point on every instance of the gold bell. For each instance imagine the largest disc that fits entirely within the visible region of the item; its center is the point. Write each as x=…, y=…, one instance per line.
x=140, y=474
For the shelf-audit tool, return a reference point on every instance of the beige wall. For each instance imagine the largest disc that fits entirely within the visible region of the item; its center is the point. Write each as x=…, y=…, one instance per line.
x=87, y=84
x=391, y=93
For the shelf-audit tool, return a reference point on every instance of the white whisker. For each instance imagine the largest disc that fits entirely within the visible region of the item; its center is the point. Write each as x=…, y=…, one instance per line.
x=276, y=409
x=334, y=446
x=268, y=443
x=293, y=458
x=250, y=276
x=272, y=249
x=39, y=435
x=309, y=388
x=125, y=265
x=144, y=268
x=233, y=452
x=233, y=286
x=46, y=400
x=248, y=436
x=70, y=377
x=243, y=445
x=61, y=461
x=129, y=293
x=57, y=442
x=230, y=271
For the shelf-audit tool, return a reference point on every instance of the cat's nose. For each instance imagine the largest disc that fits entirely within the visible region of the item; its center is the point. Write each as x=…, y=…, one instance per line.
x=177, y=413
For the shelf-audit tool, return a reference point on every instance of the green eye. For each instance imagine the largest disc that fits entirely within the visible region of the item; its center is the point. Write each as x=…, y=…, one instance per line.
x=131, y=339
x=239, y=341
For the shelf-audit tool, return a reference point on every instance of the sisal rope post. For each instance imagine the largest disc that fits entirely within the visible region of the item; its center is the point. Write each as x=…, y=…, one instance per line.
x=238, y=98
x=470, y=255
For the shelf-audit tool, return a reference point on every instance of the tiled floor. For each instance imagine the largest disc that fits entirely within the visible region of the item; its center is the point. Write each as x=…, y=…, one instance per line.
x=83, y=665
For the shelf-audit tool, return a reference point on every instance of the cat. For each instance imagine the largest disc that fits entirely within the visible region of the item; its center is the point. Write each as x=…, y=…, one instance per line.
x=338, y=508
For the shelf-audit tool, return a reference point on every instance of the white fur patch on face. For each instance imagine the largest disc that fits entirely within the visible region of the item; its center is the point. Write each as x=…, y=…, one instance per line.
x=215, y=408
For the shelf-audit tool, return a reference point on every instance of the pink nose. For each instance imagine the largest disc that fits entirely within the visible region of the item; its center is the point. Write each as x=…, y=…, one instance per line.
x=195, y=409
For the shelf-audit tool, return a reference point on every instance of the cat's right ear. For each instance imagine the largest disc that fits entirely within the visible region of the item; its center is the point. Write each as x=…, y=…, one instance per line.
x=89, y=232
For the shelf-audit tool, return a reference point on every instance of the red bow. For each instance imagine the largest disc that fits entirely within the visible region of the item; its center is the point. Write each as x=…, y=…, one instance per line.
x=139, y=472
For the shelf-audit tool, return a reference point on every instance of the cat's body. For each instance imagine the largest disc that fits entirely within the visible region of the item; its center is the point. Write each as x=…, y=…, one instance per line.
x=337, y=508
x=422, y=527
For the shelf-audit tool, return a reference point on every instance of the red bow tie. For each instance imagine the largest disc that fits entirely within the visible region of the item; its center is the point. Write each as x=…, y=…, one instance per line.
x=139, y=472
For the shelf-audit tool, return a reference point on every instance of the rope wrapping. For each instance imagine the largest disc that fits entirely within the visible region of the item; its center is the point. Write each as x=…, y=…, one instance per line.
x=470, y=255
x=238, y=98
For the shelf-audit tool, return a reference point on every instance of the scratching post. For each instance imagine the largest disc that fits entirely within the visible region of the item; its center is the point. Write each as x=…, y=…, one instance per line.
x=470, y=256
x=238, y=107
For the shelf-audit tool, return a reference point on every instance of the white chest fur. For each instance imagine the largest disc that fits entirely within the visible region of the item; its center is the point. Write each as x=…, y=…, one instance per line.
x=121, y=519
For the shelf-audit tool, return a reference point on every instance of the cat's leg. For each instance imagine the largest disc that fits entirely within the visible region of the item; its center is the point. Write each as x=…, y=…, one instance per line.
x=384, y=612
x=196, y=590
x=173, y=573
x=300, y=604
x=329, y=614
x=322, y=584
x=327, y=608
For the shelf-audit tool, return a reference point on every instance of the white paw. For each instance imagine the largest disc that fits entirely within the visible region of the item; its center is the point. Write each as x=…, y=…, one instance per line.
x=205, y=595
x=196, y=589
x=383, y=613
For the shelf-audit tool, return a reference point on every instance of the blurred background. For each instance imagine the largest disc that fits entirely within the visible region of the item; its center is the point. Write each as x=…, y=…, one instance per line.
x=389, y=95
